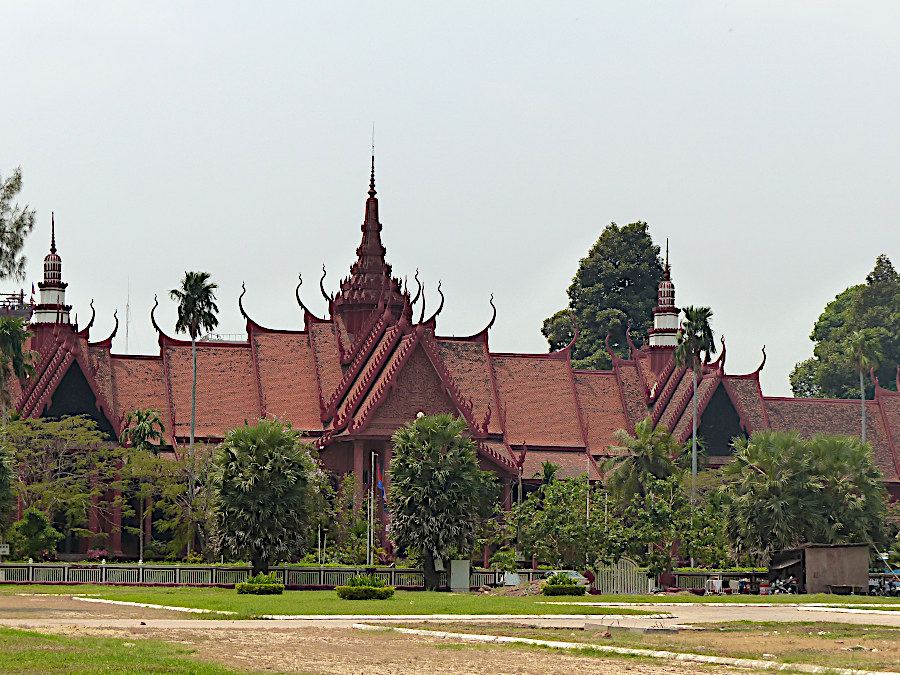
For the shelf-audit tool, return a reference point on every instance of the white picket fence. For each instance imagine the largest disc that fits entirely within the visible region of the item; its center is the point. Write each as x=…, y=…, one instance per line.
x=623, y=578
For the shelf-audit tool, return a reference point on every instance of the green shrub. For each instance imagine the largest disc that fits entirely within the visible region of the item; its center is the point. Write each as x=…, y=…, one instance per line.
x=365, y=592
x=369, y=580
x=259, y=589
x=270, y=578
x=562, y=589
x=559, y=579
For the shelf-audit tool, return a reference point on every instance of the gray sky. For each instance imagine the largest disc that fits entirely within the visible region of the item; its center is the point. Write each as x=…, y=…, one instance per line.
x=760, y=137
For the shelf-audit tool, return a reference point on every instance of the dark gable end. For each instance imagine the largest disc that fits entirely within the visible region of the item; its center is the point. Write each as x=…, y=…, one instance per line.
x=74, y=396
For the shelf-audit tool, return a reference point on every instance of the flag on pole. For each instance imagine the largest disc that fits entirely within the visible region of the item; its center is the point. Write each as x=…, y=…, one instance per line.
x=380, y=484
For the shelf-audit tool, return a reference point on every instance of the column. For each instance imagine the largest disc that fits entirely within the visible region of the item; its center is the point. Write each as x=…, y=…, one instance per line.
x=115, y=530
x=506, y=495
x=359, y=466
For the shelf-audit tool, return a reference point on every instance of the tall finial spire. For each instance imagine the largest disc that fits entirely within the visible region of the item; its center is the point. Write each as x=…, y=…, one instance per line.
x=372, y=179
x=667, y=260
x=52, y=233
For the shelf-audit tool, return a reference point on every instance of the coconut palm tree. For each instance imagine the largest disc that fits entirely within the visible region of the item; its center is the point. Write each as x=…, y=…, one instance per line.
x=143, y=431
x=197, y=311
x=648, y=452
x=863, y=352
x=695, y=338
x=14, y=358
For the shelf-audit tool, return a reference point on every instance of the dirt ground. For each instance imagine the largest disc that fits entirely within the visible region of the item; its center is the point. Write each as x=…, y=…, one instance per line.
x=318, y=649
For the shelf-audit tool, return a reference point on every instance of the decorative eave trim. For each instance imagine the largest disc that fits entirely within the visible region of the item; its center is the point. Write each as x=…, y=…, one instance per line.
x=86, y=331
x=108, y=341
x=739, y=406
x=701, y=405
x=357, y=365
x=879, y=393
x=482, y=335
x=664, y=397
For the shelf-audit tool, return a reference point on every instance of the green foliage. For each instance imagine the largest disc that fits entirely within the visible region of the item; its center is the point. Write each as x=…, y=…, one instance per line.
x=370, y=580
x=695, y=338
x=261, y=584
x=364, y=592
x=559, y=579
x=504, y=560
x=556, y=524
x=7, y=493
x=16, y=222
x=439, y=495
x=143, y=430
x=15, y=360
x=344, y=528
x=615, y=284
x=562, y=589
x=64, y=468
x=265, y=480
x=784, y=491
x=649, y=453
x=33, y=536
x=197, y=307
x=873, y=309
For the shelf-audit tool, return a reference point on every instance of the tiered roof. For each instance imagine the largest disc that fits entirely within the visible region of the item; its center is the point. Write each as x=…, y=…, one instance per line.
x=370, y=366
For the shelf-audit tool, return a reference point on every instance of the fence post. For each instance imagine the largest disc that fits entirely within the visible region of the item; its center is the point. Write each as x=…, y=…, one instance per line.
x=177, y=574
x=103, y=571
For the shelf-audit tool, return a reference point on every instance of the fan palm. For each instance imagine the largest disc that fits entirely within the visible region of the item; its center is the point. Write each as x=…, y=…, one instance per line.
x=695, y=338
x=863, y=354
x=14, y=358
x=647, y=453
x=439, y=495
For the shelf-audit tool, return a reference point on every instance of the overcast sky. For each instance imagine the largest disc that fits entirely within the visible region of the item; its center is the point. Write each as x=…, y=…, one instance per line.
x=760, y=137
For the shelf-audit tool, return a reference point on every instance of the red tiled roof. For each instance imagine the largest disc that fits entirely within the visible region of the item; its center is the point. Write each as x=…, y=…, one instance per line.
x=706, y=387
x=226, y=387
x=809, y=416
x=674, y=407
x=139, y=384
x=536, y=393
x=747, y=396
x=325, y=351
x=288, y=376
x=890, y=408
x=571, y=463
x=99, y=358
x=601, y=407
x=632, y=391
x=469, y=364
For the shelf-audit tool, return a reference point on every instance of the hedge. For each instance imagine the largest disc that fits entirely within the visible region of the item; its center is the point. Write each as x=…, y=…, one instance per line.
x=364, y=592
x=563, y=589
x=260, y=589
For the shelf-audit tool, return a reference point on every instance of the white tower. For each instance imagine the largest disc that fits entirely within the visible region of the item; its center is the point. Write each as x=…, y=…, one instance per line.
x=665, y=315
x=52, y=307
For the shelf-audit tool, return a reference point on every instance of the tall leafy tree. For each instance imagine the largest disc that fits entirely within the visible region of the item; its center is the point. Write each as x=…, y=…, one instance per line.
x=16, y=222
x=647, y=454
x=783, y=491
x=616, y=284
x=7, y=494
x=15, y=360
x=695, y=341
x=197, y=311
x=873, y=306
x=439, y=495
x=264, y=482
x=863, y=354
x=34, y=537
x=143, y=431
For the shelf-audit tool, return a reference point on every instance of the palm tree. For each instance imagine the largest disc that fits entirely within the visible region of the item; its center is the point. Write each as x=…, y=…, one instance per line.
x=439, y=494
x=695, y=337
x=196, y=312
x=143, y=431
x=647, y=453
x=863, y=354
x=14, y=358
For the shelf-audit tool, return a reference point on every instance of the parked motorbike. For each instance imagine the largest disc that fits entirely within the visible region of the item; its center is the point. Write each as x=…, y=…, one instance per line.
x=785, y=586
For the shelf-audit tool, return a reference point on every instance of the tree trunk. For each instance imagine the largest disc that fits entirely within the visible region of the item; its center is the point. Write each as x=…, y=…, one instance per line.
x=191, y=447
x=862, y=398
x=193, y=392
x=694, y=446
x=432, y=577
x=260, y=565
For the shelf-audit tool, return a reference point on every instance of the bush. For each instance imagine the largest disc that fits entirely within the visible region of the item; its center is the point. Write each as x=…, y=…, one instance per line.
x=261, y=584
x=559, y=579
x=369, y=580
x=364, y=592
x=562, y=589
x=259, y=589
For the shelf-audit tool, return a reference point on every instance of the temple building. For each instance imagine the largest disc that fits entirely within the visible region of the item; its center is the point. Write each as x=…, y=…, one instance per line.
x=351, y=378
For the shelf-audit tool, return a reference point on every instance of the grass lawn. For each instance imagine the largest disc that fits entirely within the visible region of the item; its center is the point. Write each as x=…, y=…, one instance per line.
x=822, y=643
x=818, y=599
x=25, y=652
x=320, y=602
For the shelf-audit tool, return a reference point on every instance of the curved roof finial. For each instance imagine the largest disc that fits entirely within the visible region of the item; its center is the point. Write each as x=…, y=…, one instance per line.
x=494, y=315
x=91, y=322
x=422, y=313
x=241, y=301
x=568, y=347
x=763, y=360
x=418, y=290
x=440, y=307
x=300, y=302
x=153, y=315
x=322, y=286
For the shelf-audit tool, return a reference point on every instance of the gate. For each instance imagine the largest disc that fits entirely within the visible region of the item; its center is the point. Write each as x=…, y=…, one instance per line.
x=623, y=578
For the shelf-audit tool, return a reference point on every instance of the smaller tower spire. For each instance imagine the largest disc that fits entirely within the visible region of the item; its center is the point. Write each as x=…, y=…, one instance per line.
x=372, y=192
x=52, y=232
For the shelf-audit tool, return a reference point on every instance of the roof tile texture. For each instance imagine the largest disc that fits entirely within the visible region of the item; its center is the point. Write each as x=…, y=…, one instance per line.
x=288, y=377
x=469, y=364
x=601, y=407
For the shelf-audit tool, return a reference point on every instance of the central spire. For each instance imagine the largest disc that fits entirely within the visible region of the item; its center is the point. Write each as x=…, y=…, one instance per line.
x=370, y=283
